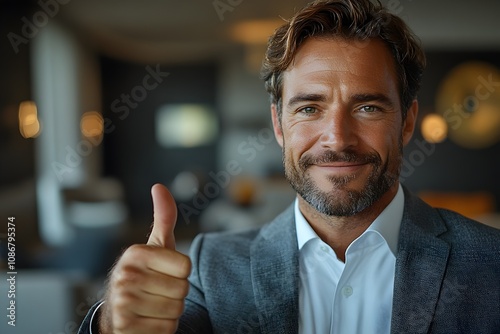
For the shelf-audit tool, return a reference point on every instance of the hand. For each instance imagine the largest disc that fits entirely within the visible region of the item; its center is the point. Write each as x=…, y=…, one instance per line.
x=148, y=285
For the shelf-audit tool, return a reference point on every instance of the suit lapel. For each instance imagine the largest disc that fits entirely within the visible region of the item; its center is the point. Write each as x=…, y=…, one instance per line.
x=420, y=267
x=275, y=275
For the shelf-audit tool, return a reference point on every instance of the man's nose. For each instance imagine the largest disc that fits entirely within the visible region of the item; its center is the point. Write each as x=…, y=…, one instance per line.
x=339, y=130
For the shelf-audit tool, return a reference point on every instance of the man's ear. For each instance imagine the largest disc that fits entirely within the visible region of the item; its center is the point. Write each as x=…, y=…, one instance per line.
x=278, y=132
x=410, y=122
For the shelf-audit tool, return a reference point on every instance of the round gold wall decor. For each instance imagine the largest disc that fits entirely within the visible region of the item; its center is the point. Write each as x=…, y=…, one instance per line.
x=469, y=101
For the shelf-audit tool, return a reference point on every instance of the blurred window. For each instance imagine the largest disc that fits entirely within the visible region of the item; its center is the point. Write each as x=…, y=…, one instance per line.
x=185, y=125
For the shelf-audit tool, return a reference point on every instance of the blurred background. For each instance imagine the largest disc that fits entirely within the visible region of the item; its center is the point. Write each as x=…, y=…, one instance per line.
x=100, y=99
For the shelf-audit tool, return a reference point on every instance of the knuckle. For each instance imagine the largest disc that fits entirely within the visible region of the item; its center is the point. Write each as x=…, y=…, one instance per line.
x=121, y=322
x=177, y=308
x=127, y=276
x=181, y=308
x=171, y=326
x=121, y=315
x=185, y=265
x=136, y=252
x=164, y=326
x=131, y=324
x=122, y=302
x=184, y=288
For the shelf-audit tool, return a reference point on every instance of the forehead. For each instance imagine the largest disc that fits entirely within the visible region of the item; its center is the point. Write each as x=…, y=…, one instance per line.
x=365, y=64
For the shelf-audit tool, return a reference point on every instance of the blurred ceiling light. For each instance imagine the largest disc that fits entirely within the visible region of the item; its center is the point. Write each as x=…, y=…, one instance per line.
x=255, y=31
x=185, y=125
x=92, y=126
x=434, y=128
x=29, y=126
x=254, y=34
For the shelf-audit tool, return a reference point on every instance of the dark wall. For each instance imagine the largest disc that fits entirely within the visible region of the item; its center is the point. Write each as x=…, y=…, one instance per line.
x=447, y=166
x=131, y=152
x=15, y=86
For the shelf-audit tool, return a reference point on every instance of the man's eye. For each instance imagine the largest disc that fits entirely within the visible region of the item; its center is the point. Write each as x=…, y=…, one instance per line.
x=308, y=110
x=369, y=109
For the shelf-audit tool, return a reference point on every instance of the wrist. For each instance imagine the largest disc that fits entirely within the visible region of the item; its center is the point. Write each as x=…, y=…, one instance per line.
x=100, y=323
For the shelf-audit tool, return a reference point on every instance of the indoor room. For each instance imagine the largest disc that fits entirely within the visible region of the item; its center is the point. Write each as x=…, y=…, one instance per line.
x=102, y=99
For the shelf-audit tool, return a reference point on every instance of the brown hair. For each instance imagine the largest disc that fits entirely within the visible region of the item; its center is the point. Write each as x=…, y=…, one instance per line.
x=358, y=20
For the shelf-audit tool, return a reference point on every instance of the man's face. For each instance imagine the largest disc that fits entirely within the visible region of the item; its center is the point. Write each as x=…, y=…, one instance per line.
x=341, y=129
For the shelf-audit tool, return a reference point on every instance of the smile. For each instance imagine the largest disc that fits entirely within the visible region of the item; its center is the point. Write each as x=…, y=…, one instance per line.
x=340, y=167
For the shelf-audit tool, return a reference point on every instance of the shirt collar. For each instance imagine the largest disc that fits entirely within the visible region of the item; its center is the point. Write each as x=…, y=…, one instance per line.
x=387, y=224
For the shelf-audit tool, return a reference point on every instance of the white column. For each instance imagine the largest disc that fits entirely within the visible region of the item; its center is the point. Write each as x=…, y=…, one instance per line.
x=65, y=84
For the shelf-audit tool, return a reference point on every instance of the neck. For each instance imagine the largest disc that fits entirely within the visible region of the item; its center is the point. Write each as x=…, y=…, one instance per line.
x=340, y=232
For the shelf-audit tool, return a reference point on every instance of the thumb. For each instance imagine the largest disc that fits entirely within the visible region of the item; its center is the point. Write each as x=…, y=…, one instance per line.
x=164, y=218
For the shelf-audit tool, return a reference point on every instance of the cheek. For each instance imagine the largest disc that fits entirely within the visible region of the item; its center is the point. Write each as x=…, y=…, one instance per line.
x=390, y=144
x=383, y=139
x=298, y=139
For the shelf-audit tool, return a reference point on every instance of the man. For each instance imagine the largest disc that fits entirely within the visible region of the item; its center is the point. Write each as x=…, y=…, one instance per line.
x=356, y=252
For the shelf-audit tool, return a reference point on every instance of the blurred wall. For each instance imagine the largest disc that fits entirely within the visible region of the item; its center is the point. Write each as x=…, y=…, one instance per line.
x=16, y=152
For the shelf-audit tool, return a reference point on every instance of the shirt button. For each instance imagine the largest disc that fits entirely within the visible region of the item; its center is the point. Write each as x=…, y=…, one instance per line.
x=324, y=248
x=347, y=291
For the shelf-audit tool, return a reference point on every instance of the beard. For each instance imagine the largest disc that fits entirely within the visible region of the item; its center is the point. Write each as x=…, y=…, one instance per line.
x=341, y=201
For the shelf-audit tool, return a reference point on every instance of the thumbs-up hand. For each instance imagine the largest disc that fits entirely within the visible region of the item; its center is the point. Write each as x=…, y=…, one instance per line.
x=164, y=217
x=148, y=284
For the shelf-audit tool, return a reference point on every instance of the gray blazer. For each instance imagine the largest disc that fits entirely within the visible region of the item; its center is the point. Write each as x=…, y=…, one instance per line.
x=447, y=277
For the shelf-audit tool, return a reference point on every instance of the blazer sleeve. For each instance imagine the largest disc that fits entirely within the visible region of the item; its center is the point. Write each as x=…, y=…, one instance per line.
x=195, y=319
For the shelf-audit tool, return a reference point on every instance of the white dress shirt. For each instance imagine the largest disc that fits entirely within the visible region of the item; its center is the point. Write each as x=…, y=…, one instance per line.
x=354, y=297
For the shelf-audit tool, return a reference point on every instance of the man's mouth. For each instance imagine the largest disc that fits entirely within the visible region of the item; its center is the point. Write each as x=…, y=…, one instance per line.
x=340, y=167
x=340, y=162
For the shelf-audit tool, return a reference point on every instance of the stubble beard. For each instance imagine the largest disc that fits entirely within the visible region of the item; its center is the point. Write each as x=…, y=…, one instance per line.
x=342, y=201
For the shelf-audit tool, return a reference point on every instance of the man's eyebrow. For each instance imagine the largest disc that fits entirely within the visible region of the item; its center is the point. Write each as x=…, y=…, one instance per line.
x=381, y=98
x=305, y=98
